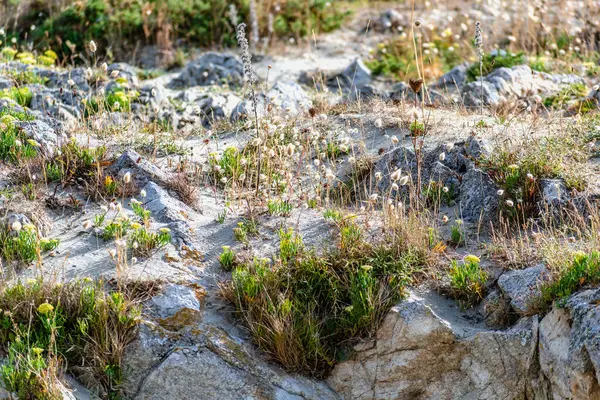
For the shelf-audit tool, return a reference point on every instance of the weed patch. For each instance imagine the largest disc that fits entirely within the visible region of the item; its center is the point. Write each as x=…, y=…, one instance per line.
x=304, y=307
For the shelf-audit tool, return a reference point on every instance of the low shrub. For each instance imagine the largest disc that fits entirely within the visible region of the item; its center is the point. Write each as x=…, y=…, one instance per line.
x=24, y=243
x=78, y=326
x=21, y=95
x=305, y=308
x=199, y=23
x=583, y=270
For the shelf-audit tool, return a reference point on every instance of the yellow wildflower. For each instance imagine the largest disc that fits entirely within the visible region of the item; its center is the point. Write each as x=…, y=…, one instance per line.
x=472, y=259
x=45, y=308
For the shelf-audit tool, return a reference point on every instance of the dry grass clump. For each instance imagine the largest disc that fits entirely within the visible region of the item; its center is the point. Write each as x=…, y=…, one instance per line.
x=186, y=191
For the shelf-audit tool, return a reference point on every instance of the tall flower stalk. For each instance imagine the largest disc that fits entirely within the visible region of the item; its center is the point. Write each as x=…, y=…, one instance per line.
x=233, y=15
x=479, y=49
x=251, y=79
x=254, y=24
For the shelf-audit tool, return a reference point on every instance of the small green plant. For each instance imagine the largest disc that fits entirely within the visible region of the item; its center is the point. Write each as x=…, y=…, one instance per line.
x=248, y=226
x=240, y=233
x=227, y=258
x=29, y=191
x=221, y=216
x=334, y=215
x=572, y=92
x=279, y=207
x=20, y=95
x=120, y=99
x=117, y=228
x=8, y=53
x=228, y=165
x=584, y=270
x=290, y=244
x=456, y=233
x=142, y=213
x=416, y=128
x=27, y=372
x=14, y=144
x=539, y=64
x=143, y=242
x=24, y=243
x=53, y=172
x=468, y=280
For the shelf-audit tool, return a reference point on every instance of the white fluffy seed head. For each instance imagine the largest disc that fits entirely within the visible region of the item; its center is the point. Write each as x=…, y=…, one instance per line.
x=16, y=226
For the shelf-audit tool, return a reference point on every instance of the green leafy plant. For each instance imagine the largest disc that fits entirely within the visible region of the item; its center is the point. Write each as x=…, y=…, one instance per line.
x=456, y=232
x=77, y=325
x=227, y=258
x=333, y=215
x=21, y=95
x=304, y=306
x=468, y=280
x=279, y=207
x=14, y=144
x=245, y=227
x=583, y=270
x=143, y=242
x=24, y=243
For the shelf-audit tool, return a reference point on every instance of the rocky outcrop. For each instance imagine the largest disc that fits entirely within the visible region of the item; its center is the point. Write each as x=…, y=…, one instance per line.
x=287, y=98
x=453, y=80
x=417, y=354
x=569, y=349
x=512, y=83
x=354, y=80
x=180, y=356
x=211, y=69
x=523, y=287
x=389, y=20
x=141, y=169
x=473, y=189
x=42, y=133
